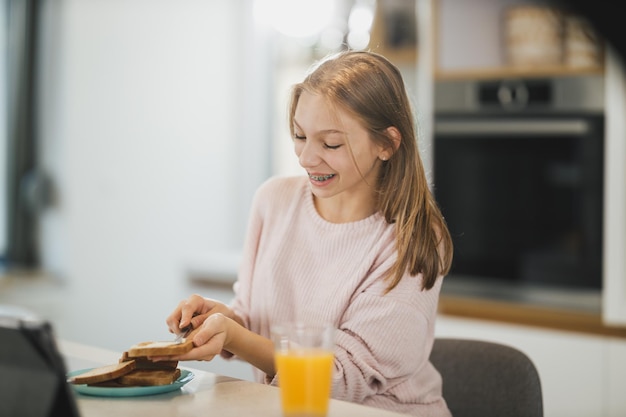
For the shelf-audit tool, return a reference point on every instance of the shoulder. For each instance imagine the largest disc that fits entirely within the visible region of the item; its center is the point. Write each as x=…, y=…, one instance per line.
x=280, y=182
x=280, y=189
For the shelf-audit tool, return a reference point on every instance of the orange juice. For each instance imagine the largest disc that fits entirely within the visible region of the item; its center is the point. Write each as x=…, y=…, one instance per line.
x=305, y=377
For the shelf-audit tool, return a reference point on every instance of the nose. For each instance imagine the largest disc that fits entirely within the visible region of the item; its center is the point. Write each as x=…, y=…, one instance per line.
x=308, y=155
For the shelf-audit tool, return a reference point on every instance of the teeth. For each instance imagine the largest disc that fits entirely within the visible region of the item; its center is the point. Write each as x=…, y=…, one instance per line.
x=321, y=177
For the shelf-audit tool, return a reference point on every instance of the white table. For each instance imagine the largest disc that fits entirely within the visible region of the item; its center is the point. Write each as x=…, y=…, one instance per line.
x=207, y=394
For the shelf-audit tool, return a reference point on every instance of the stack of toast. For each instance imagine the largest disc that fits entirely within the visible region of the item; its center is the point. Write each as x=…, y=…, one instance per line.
x=135, y=368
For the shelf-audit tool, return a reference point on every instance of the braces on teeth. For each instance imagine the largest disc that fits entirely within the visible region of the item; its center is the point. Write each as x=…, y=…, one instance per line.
x=321, y=177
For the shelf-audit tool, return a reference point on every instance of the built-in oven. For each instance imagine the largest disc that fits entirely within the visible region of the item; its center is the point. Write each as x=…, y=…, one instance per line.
x=518, y=174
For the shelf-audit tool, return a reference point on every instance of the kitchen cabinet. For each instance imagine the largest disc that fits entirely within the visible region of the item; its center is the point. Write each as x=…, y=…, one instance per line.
x=470, y=42
x=467, y=42
x=616, y=378
x=581, y=357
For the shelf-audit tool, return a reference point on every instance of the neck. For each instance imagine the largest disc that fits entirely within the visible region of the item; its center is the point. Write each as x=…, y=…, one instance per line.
x=344, y=210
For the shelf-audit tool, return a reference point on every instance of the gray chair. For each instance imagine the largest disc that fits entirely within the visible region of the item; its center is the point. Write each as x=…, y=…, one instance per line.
x=486, y=379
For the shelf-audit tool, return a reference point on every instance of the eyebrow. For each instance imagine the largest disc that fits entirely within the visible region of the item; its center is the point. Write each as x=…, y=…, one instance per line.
x=321, y=132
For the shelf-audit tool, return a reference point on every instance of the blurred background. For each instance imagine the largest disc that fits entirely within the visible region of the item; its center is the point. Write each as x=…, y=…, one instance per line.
x=134, y=134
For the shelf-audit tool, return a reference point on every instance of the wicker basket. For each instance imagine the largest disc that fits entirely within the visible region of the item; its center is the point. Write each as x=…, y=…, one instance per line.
x=533, y=36
x=582, y=46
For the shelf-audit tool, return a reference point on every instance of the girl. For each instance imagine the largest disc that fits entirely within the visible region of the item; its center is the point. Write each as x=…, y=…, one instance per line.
x=358, y=242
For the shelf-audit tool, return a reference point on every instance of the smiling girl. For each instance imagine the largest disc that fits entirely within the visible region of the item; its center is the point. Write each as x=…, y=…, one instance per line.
x=358, y=242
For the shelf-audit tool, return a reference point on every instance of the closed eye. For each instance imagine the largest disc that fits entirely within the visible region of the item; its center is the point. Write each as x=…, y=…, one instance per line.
x=297, y=136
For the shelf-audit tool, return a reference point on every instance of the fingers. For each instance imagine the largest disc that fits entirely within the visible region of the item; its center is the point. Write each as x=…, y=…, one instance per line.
x=206, y=351
x=208, y=339
x=192, y=307
x=197, y=319
x=183, y=314
x=173, y=321
x=211, y=334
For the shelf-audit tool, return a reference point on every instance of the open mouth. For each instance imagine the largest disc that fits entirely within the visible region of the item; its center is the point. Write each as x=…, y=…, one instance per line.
x=321, y=177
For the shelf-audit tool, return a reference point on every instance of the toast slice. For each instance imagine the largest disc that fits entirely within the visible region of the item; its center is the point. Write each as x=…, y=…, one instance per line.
x=160, y=348
x=142, y=362
x=103, y=373
x=112, y=383
x=149, y=377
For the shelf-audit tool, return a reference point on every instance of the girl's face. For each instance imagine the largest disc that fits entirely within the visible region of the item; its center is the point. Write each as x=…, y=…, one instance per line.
x=341, y=160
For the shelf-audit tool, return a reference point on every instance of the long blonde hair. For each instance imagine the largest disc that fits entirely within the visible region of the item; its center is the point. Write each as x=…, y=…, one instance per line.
x=371, y=88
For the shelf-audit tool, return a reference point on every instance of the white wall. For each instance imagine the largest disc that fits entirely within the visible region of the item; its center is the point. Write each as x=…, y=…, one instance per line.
x=153, y=130
x=141, y=130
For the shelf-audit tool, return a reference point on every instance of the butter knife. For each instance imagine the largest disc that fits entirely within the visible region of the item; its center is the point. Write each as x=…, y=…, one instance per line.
x=184, y=332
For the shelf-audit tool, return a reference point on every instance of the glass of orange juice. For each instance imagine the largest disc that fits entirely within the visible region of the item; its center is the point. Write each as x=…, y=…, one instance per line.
x=304, y=364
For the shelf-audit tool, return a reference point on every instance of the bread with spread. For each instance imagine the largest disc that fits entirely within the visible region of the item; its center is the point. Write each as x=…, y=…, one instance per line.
x=160, y=348
x=135, y=368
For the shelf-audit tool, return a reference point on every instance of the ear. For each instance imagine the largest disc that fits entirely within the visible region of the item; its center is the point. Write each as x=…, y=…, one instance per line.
x=394, y=134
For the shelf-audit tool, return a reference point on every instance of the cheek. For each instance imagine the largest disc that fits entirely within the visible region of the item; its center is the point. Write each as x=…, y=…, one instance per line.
x=297, y=147
x=344, y=164
x=366, y=158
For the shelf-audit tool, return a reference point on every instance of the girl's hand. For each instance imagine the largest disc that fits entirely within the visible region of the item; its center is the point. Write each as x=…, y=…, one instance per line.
x=195, y=311
x=209, y=339
x=218, y=330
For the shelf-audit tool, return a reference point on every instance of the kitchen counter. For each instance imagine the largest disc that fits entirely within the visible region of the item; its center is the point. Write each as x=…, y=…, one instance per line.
x=557, y=308
x=206, y=394
x=528, y=314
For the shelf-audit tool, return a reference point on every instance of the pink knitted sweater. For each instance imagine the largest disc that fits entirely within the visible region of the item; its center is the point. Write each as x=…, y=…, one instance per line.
x=298, y=266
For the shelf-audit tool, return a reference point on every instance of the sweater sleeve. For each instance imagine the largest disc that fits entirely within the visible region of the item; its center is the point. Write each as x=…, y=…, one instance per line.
x=384, y=340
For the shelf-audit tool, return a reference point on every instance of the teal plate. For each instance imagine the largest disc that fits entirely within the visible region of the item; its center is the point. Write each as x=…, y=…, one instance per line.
x=185, y=376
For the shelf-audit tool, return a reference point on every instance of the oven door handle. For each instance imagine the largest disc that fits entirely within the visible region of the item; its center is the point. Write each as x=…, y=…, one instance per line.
x=513, y=127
